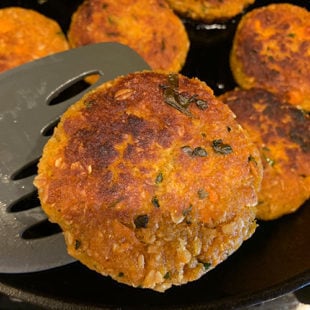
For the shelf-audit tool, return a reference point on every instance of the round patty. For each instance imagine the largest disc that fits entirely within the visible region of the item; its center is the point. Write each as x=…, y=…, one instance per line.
x=149, y=27
x=271, y=50
x=209, y=10
x=152, y=180
x=282, y=133
x=27, y=35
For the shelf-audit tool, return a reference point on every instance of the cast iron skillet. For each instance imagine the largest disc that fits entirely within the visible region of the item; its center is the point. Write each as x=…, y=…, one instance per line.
x=275, y=261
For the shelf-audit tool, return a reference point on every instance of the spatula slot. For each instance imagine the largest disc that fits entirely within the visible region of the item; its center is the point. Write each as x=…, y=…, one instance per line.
x=41, y=230
x=48, y=130
x=25, y=203
x=27, y=170
x=72, y=88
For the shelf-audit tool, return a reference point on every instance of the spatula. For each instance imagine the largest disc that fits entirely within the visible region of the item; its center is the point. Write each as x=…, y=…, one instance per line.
x=28, y=113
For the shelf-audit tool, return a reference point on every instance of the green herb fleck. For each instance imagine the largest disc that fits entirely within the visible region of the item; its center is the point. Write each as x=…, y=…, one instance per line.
x=77, y=244
x=159, y=178
x=196, y=152
x=201, y=104
x=200, y=152
x=186, y=211
x=141, y=221
x=220, y=147
x=167, y=276
x=206, y=265
x=269, y=160
x=291, y=35
x=155, y=202
x=187, y=150
x=89, y=104
x=202, y=194
x=111, y=20
x=188, y=222
x=252, y=159
x=172, y=96
x=121, y=274
x=177, y=100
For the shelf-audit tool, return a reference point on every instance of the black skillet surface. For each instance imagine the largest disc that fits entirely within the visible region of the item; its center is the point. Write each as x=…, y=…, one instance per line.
x=276, y=260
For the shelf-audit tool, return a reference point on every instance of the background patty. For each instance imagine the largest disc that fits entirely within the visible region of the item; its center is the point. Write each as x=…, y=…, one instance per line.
x=209, y=10
x=271, y=50
x=151, y=179
x=149, y=27
x=27, y=35
x=282, y=134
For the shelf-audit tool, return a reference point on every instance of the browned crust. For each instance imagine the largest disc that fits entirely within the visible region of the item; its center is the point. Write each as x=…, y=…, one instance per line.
x=127, y=175
x=271, y=50
x=209, y=10
x=149, y=27
x=27, y=35
x=282, y=134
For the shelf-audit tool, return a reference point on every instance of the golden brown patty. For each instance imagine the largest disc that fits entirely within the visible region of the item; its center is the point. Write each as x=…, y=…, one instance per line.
x=151, y=179
x=26, y=35
x=209, y=10
x=282, y=134
x=271, y=50
x=149, y=27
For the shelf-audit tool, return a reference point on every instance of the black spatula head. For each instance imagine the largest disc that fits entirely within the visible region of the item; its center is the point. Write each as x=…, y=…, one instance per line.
x=28, y=242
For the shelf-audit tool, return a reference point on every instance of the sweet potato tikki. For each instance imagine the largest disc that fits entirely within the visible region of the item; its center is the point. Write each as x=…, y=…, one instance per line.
x=148, y=26
x=282, y=133
x=27, y=35
x=209, y=10
x=151, y=179
x=271, y=50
